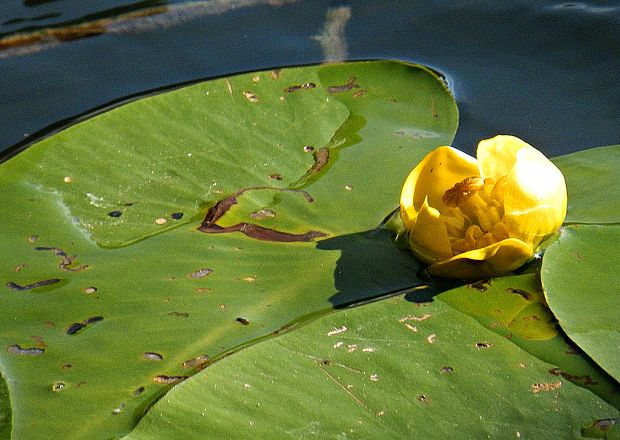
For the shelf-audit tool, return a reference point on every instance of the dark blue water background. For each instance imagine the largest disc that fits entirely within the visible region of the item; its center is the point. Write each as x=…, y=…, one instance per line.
x=546, y=71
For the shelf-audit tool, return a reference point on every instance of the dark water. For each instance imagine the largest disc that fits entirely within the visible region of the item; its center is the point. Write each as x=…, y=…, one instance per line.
x=546, y=71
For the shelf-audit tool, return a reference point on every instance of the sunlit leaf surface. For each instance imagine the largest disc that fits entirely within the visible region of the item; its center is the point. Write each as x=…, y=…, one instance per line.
x=580, y=274
x=391, y=369
x=111, y=293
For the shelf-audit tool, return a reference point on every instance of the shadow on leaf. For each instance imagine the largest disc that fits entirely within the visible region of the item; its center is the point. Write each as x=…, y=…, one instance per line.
x=371, y=267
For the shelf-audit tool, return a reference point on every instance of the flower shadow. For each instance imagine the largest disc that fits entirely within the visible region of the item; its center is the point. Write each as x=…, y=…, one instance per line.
x=371, y=267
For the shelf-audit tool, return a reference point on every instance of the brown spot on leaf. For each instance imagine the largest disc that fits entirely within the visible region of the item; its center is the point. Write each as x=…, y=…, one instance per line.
x=65, y=260
x=305, y=86
x=77, y=326
x=351, y=84
x=481, y=285
x=168, y=380
x=32, y=351
x=152, y=356
x=545, y=387
x=201, y=273
x=525, y=294
x=209, y=225
x=250, y=96
x=199, y=362
x=14, y=286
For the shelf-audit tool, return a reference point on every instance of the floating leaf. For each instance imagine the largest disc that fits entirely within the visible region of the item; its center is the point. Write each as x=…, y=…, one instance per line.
x=110, y=209
x=5, y=410
x=592, y=178
x=579, y=274
x=515, y=308
x=391, y=369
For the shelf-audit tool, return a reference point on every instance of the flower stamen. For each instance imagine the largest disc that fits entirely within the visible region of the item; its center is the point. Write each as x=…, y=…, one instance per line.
x=474, y=217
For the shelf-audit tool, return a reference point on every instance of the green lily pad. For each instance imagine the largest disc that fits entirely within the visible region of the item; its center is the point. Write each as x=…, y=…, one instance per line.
x=5, y=410
x=111, y=293
x=391, y=369
x=580, y=272
x=515, y=307
x=592, y=178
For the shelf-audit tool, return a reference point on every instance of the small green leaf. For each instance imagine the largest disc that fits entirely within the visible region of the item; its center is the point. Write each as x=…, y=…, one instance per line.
x=580, y=273
x=391, y=369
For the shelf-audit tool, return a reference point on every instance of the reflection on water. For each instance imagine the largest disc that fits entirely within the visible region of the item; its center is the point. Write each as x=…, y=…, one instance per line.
x=132, y=19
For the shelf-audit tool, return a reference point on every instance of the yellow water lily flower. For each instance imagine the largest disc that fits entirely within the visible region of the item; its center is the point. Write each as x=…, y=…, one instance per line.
x=471, y=218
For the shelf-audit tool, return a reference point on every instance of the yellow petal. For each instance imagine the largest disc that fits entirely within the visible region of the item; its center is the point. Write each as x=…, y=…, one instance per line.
x=497, y=259
x=428, y=239
x=437, y=172
x=497, y=156
x=535, y=197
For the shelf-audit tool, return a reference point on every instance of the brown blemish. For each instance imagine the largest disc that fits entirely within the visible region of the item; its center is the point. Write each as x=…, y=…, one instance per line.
x=275, y=74
x=275, y=176
x=586, y=379
x=321, y=158
x=480, y=345
x=434, y=113
x=138, y=391
x=415, y=318
x=201, y=273
x=178, y=314
x=58, y=386
x=359, y=93
x=209, y=225
x=39, y=342
x=351, y=84
x=152, y=356
x=242, y=320
x=546, y=387
x=168, y=380
x=199, y=362
x=525, y=294
x=250, y=96
x=77, y=326
x=481, y=285
x=19, y=268
x=304, y=86
x=424, y=399
x=65, y=260
x=447, y=370
x=14, y=286
x=31, y=351
x=262, y=214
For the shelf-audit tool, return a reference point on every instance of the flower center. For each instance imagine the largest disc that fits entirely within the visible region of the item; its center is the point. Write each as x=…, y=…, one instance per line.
x=474, y=216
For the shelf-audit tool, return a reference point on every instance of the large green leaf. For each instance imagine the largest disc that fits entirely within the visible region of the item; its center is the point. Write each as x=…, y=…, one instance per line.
x=391, y=369
x=592, y=178
x=5, y=410
x=580, y=273
x=514, y=307
x=91, y=341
